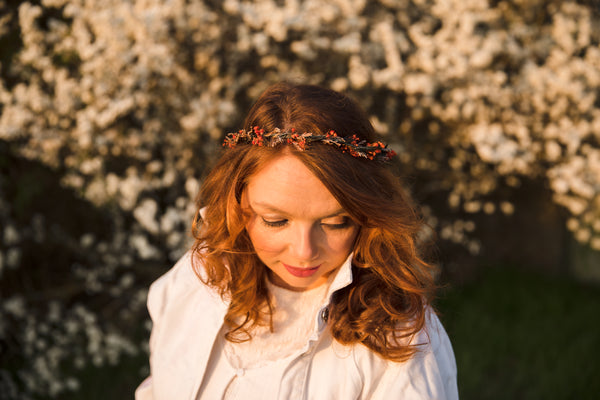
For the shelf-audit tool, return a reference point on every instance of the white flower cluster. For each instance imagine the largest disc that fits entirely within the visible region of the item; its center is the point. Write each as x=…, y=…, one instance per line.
x=535, y=117
x=73, y=335
x=482, y=93
x=50, y=329
x=127, y=101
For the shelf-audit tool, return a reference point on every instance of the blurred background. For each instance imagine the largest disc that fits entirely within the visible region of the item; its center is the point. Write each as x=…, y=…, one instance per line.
x=111, y=110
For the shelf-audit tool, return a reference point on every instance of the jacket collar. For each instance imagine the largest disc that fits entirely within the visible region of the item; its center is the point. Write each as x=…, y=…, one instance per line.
x=211, y=318
x=343, y=277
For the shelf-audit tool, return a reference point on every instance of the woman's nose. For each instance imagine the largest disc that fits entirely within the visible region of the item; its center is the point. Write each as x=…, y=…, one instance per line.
x=304, y=244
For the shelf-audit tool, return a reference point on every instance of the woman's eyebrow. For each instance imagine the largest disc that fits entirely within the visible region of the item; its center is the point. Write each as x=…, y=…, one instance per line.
x=335, y=214
x=266, y=207
x=272, y=208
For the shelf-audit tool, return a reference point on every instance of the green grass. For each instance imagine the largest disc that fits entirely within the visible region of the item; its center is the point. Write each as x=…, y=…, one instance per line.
x=519, y=335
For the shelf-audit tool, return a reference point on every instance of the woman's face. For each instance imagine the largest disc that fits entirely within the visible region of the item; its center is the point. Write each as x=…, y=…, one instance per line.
x=298, y=229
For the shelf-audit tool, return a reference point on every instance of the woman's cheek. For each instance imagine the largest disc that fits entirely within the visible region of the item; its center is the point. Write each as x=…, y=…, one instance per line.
x=347, y=242
x=265, y=242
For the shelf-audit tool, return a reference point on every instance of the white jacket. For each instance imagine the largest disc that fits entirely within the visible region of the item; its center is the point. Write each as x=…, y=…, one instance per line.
x=187, y=316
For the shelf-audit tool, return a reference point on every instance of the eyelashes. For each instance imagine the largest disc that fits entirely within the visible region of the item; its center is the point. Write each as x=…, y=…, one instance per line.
x=283, y=222
x=274, y=224
x=344, y=224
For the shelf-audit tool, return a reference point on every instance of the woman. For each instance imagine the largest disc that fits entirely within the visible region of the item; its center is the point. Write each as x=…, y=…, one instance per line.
x=305, y=280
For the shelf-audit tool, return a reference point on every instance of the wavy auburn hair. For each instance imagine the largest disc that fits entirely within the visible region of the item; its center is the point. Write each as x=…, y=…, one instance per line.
x=386, y=303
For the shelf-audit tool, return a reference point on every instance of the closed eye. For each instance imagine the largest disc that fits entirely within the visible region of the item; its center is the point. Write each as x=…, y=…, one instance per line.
x=274, y=223
x=337, y=223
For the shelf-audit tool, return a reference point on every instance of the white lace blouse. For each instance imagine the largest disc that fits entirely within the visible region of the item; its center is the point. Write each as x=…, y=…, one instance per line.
x=253, y=369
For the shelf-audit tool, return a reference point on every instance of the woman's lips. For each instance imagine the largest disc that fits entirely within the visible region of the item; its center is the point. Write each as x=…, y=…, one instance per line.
x=301, y=272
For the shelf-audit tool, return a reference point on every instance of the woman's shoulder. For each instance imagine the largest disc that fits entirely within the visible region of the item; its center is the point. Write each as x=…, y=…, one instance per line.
x=431, y=338
x=435, y=349
x=432, y=369
x=179, y=276
x=429, y=373
x=178, y=285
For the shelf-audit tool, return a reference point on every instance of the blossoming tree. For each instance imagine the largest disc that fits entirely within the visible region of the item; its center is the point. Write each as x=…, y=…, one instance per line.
x=126, y=101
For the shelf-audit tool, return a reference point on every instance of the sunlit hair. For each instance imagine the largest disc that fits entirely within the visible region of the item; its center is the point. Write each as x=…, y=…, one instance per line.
x=387, y=301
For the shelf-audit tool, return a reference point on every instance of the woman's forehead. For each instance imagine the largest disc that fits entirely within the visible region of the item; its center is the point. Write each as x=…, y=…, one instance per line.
x=285, y=184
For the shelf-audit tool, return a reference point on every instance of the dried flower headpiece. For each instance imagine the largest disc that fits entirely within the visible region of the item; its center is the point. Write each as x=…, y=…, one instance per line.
x=352, y=145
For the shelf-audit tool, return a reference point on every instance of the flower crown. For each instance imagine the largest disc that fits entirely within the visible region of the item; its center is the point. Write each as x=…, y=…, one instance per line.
x=352, y=145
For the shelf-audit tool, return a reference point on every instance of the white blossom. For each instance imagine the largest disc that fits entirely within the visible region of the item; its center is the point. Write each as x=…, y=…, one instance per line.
x=11, y=236
x=145, y=214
